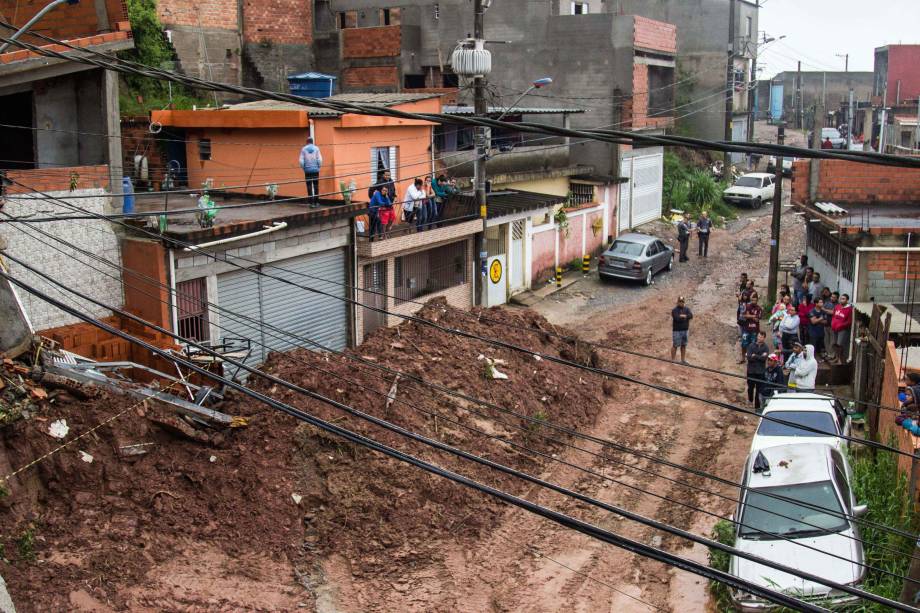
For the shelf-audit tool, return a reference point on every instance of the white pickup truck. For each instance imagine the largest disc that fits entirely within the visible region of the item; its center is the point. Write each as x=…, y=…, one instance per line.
x=751, y=190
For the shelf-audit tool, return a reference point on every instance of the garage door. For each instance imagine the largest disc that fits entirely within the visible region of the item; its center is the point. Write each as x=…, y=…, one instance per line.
x=640, y=197
x=285, y=306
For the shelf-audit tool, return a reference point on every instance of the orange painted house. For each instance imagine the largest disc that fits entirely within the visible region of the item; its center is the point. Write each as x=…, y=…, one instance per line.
x=247, y=146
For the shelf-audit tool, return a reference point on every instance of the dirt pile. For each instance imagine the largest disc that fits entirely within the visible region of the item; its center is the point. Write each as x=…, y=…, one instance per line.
x=248, y=519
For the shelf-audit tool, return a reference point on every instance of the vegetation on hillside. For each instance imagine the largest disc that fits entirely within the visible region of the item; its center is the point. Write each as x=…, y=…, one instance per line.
x=693, y=190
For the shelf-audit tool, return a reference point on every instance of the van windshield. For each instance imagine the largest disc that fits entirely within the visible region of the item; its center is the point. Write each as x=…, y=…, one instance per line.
x=748, y=182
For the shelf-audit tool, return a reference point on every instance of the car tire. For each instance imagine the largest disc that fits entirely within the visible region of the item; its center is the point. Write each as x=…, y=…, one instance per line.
x=648, y=276
x=671, y=263
x=758, y=202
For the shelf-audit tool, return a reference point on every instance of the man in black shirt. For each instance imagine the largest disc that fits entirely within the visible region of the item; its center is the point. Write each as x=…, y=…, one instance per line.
x=683, y=237
x=775, y=380
x=680, y=318
x=757, y=353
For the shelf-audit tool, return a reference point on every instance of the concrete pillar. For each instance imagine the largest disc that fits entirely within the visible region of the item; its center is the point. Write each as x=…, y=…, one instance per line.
x=113, y=130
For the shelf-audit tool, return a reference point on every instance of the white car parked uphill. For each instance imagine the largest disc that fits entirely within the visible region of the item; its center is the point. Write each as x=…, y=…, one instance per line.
x=751, y=190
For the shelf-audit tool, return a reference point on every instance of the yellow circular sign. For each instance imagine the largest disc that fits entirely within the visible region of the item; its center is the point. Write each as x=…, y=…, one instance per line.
x=495, y=271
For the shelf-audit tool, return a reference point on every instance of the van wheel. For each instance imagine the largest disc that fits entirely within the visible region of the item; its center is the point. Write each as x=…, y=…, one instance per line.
x=648, y=276
x=758, y=202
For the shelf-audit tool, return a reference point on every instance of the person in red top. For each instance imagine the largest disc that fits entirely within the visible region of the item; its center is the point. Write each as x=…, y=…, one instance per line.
x=751, y=326
x=805, y=307
x=840, y=327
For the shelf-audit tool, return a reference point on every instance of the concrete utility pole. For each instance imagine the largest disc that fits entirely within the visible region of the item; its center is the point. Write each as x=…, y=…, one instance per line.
x=482, y=148
x=850, y=116
x=777, y=211
x=752, y=92
x=799, y=110
x=884, y=120
x=730, y=84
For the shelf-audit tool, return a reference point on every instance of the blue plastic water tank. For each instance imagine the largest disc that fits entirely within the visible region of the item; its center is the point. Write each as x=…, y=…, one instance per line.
x=312, y=84
x=128, y=199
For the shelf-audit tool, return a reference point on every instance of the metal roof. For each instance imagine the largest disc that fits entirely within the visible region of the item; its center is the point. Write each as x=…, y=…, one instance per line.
x=457, y=109
x=371, y=99
x=512, y=201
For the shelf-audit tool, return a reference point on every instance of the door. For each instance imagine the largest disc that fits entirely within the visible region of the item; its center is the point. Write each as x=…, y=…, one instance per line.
x=664, y=256
x=776, y=102
x=375, y=281
x=238, y=298
x=624, y=214
x=516, y=257
x=739, y=135
x=495, y=276
x=646, y=188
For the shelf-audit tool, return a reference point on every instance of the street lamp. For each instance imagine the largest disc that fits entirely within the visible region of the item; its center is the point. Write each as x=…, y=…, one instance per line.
x=537, y=84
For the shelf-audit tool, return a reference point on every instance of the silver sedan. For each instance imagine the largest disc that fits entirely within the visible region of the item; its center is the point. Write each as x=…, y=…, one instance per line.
x=635, y=256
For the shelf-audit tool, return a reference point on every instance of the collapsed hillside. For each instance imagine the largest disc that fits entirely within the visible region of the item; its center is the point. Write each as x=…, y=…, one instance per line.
x=247, y=518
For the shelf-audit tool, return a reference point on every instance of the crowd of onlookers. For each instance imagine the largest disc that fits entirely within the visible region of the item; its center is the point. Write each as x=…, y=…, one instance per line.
x=808, y=322
x=422, y=205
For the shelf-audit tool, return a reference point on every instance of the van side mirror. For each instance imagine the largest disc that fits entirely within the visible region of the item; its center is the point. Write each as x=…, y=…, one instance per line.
x=860, y=510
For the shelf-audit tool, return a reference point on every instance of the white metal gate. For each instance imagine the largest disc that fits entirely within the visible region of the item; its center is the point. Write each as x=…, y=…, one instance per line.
x=516, y=256
x=284, y=306
x=640, y=196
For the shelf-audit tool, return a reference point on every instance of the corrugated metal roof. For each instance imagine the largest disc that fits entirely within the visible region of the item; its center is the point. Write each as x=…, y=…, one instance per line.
x=372, y=99
x=456, y=109
x=512, y=201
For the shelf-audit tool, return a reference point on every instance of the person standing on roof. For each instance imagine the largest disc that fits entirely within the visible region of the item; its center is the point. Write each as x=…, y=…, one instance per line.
x=414, y=205
x=680, y=329
x=311, y=161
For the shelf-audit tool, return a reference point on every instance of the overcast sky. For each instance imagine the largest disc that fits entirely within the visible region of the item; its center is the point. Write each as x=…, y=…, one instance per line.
x=817, y=30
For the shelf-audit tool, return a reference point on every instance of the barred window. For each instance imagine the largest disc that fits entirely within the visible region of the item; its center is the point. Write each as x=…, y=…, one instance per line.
x=192, y=309
x=430, y=271
x=823, y=245
x=847, y=264
x=581, y=193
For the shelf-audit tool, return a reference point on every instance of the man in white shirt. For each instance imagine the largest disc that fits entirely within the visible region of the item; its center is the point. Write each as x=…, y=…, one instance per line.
x=414, y=205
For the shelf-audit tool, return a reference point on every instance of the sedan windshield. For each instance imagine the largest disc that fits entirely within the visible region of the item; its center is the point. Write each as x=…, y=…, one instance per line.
x=625, y=248
x=762, y=513
x=811, y=419
x=747, y=182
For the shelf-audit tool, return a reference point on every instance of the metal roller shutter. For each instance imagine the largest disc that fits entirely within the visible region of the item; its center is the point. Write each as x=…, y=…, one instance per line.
x=321, y=318
x=238, y=291
x=286, y=306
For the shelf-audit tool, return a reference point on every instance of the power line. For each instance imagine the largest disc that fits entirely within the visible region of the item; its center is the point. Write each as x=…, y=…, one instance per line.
x=90, y=57
x=513, y=347
x=286, y=333
x=575, y=524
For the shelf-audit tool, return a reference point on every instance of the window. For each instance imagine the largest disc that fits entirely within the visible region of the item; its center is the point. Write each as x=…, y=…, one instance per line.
x=847, y=264
x=192, y=309
x=437, y=11
x=383, y=158
x=413, y=81
x=430, y=271
x=652, y=250
x=581, y=193
x=450, y=79
x=579, y=8
x=816, y=420
x=822, y=244
x=792, y=511
x=204, y=149
x=348, y=19
x=389, y=17
x=748, y=27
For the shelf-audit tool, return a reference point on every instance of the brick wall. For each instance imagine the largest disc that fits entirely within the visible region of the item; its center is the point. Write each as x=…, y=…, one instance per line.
x=886, y=425
x=211, y=13
x=655, y=35
x=370, y=76
x=278, y=21
x=145, y=276
x=91, y=234
x=137, y=140
x=844, y=182
x=885, y=273
x=58, y=179
x=383, y=41
x=64, y=22
x=639, y=107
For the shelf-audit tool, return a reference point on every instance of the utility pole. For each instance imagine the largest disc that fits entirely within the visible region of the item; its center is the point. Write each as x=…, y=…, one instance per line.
x=752, y=92
x=850, y=122
x=777, y=211
x=884, y=120
x=482, y=148
x=799, y=110
x=730, y=84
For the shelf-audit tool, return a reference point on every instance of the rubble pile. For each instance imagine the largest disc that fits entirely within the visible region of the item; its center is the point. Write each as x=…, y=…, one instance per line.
x=161, y=519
